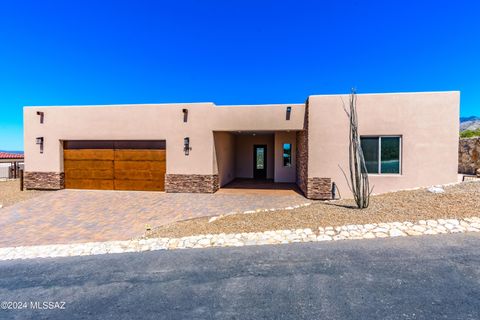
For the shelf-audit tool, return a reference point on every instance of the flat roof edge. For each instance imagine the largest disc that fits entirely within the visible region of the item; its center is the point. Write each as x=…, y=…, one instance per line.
x=120, y=105
x=260, y=105
x=236, y=105
x=384, y=93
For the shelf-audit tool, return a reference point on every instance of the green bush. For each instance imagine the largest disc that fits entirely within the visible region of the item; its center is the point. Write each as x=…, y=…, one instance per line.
x=470, y=133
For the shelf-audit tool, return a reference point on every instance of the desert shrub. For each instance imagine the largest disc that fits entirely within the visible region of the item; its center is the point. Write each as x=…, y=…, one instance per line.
x=470, y=133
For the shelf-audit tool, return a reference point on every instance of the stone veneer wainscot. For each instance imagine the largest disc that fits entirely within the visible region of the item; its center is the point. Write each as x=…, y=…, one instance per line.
x=197, y=183
x=312, y=187
x=319, y=188
x=44, y=180
x=302, y=154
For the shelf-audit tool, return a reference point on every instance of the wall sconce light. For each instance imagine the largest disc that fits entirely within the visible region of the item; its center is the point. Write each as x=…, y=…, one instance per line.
x=185, y=115
x=186, y=146
x=289, y=111
x=39, y=141
x=41, y=114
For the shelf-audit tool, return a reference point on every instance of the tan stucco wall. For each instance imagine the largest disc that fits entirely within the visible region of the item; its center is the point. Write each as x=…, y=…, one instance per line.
x=244, y=154
x=149, y=122
x=285, y=174
x=258, y=118
x=225, y=156
x=143, y=122
x=427, y=122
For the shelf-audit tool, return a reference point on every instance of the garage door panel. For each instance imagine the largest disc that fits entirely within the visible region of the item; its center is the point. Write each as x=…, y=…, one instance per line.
x=88, y=164
x=114, y=169
x=89, y=174
x=140, y=155
x=140, y=165
x=147, y=185
x=88, y=154
x=95, y=184
x=139, y=174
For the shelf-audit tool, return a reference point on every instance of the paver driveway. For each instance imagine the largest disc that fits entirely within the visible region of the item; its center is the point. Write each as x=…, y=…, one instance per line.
x=73, y=216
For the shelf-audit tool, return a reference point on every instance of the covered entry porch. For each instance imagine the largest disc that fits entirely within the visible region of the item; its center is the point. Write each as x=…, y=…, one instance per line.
x=260, y=187
x=256, y=161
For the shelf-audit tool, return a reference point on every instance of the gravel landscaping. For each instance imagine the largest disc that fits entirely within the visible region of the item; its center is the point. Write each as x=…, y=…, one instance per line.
x=457, y=202
x=399, y=214
x=10, y=193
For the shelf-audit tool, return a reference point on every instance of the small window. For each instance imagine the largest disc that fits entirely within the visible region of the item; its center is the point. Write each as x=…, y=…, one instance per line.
x=260, y=158
x=287, y=155
x=382, y=154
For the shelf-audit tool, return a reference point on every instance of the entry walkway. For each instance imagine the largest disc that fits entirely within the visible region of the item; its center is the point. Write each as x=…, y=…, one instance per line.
x=260, y=187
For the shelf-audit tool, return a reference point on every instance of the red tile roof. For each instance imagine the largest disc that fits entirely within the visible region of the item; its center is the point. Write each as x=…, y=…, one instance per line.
x=6, y=155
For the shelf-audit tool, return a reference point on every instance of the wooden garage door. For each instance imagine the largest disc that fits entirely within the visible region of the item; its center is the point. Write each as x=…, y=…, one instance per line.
x=89, y=169
x=139, y=169
x=115, y=169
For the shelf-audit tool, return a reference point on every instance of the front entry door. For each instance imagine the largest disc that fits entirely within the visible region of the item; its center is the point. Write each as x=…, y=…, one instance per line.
x=260, y=161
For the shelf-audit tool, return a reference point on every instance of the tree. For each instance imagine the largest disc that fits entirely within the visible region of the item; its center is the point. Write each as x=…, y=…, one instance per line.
x=358, y=184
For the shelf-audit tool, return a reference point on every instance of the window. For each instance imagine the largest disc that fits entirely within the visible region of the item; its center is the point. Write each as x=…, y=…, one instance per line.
x=287, y=155
x=382, y=154
x=260, y=158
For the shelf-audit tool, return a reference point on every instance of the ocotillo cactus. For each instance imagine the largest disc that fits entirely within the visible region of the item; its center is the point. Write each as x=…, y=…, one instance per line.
x=359, y=184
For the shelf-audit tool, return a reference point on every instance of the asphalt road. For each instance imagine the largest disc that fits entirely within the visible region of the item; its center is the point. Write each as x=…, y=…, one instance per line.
x=427, y=277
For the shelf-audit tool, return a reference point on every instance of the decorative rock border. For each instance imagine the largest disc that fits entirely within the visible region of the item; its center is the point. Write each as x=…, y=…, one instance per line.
x=366, y=231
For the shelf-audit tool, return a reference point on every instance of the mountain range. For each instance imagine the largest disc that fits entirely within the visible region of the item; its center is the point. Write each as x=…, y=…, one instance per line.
x=469, y=123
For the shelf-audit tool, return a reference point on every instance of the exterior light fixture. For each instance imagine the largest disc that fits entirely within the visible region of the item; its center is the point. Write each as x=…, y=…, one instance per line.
x=289, y=111
x=186, y=145
x=39, y=141
x=334, y=191
x=185, y=115
x=41, y=114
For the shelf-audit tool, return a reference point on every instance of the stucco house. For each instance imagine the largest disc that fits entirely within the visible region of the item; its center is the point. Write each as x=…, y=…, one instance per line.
x=409, y=140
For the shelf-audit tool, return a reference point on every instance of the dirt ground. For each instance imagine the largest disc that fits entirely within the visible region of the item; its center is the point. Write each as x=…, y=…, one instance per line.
x=10, y=193
x=461, y=200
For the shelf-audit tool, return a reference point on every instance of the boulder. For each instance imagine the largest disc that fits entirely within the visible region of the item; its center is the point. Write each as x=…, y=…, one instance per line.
x=436, y=189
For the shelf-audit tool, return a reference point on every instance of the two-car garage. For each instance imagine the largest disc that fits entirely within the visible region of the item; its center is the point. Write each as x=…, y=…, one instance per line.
x=115, y=165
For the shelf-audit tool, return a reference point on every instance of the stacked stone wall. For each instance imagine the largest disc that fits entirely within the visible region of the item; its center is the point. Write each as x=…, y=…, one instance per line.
x=44, y=180
x=191, y=183
x=469, y=155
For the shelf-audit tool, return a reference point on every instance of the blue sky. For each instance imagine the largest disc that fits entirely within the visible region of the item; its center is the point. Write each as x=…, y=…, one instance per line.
x=230, y=52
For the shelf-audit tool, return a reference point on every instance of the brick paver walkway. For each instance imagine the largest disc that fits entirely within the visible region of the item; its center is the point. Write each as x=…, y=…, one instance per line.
x=74, y=216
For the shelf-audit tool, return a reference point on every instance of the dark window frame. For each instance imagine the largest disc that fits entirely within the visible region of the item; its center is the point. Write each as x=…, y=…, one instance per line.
x=379, y=155
x=114, y=144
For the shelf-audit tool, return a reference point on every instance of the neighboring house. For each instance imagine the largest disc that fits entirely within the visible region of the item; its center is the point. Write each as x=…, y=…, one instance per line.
x=10, y=165
x=409, y=140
